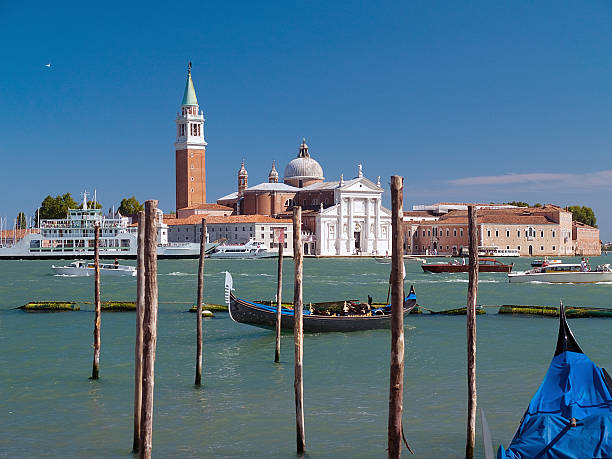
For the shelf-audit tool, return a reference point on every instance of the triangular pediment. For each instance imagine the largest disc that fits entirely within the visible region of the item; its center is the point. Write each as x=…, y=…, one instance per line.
x=360, y=184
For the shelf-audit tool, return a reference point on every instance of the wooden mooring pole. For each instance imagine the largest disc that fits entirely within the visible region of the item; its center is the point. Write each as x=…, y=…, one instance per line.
x=149, y=329
x=95, y=371
x=279, y=294
x=298, y=331
x=396, y=382
x=139, y=318
x=198, y=376
x=471, y=331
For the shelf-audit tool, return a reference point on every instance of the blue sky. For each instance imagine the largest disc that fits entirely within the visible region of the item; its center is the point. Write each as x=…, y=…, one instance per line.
x=470, y=101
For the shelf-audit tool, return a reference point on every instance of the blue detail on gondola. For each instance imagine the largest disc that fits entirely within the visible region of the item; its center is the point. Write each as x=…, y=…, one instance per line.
x=284, y=311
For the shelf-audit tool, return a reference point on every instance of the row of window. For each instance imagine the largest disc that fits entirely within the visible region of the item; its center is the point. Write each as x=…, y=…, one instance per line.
x=194, y=129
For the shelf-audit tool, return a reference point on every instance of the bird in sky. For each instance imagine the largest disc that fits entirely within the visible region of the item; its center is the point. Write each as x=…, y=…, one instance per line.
x=48, y=65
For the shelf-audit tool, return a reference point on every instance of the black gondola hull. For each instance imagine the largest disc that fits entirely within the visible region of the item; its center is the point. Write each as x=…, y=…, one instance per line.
x=249, y=313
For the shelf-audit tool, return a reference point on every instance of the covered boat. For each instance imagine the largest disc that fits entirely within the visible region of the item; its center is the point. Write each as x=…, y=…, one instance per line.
x=264, y=316
x=485, y=265
x=85, y=268
x=570, y=416
x=564, y=273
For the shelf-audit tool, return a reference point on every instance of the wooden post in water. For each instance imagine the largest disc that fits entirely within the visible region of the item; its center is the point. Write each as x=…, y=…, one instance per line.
x=279, y=293
x=396, y=383
x=149, y=329
x=139, y=318
x=198, y=377
x=298, y=331
x=471, y=331
x=95, y=372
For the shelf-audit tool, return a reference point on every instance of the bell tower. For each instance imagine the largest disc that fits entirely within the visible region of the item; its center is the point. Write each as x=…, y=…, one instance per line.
x=190, y=150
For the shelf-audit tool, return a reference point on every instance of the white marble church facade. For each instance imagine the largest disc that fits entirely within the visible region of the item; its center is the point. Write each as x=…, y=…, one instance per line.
x=357, y=223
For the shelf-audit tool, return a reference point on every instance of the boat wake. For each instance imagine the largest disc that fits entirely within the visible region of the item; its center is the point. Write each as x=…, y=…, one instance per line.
x=178, y=273
x=67, y=275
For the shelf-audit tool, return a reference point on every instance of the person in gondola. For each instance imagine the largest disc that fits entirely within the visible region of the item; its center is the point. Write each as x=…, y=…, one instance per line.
x=345, y=309
x=116, y=263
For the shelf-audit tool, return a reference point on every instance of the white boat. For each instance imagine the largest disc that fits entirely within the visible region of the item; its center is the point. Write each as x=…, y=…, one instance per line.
x=495, y=251
x=563, y=273
x=73, y=238
x=252, y=249
x=85, y=268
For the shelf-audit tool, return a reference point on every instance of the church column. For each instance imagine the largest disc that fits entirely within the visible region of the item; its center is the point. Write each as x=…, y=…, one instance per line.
x=366, y=231
x=377, y=223
x=351, y=240
x=339, y=233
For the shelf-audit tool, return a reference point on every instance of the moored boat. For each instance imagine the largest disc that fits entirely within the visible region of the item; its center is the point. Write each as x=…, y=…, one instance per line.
x=485, y=265
x=264, y=316
x=84, y=268
x=563, y=273
x=73, y=238
x=570, y=416
x=251, y=249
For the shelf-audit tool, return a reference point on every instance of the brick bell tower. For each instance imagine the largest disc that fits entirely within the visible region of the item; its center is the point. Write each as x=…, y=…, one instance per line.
x=190, y=150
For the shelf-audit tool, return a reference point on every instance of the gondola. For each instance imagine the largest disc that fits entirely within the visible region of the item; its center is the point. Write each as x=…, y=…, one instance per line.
x=264, y=316
x=570, y=416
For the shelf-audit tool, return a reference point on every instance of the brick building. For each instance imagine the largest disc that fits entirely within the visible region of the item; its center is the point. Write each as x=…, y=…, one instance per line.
x=534, y=231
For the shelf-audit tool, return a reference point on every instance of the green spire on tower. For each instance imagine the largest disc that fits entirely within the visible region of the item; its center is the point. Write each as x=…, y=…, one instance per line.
x=189, y=98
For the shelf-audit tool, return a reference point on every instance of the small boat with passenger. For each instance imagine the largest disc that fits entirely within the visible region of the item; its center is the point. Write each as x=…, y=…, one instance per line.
x=564, y=273
x=351, y=316
x=544, y=262
x=485, y=265
x=87, y=268
x=570, y=416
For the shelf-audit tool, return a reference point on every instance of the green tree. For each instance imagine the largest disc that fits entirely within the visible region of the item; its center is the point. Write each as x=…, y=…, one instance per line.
x=584, y=215
x=57, y=207
x=518, y=203
x=92, y=205
x=130, y=206
x=21, y=221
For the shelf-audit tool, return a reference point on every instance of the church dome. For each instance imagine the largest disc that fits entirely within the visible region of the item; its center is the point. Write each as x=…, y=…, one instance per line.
x=303, y=167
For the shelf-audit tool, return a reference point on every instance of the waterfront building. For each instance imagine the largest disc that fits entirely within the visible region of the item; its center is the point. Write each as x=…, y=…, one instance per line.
x=585, y=239
x=233, y=229
x=533, y=231
x=190, y=149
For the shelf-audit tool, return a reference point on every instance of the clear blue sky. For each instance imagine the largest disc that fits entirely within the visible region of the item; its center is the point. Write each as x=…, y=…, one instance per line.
x=455, y=96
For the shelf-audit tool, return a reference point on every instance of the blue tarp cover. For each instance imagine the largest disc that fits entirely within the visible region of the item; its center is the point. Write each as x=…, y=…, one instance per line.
x=574, y=387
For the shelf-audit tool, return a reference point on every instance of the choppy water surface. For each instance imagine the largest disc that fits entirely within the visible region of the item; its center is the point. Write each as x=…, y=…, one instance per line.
x=49, y=408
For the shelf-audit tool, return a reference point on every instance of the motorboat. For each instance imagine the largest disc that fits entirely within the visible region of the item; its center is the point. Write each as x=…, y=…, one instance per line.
x=564, y=273
x=485, y=265
x=86, y=268
x=251, y=249
x=543, y=262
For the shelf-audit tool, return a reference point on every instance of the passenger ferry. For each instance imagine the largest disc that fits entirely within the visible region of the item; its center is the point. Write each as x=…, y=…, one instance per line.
x=73, y=238
x=252, y=249
x=563, y=273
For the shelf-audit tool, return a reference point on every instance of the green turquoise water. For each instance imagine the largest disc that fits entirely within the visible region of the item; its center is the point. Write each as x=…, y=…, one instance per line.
x=49, y=407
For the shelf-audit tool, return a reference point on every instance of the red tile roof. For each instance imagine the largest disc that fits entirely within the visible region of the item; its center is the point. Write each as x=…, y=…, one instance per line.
x=209, y=206
x=229, y=219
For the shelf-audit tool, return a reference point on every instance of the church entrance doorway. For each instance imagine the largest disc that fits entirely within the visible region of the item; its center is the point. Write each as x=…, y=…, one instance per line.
x=530, y=250
x=357, y=236
x=306, y=249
